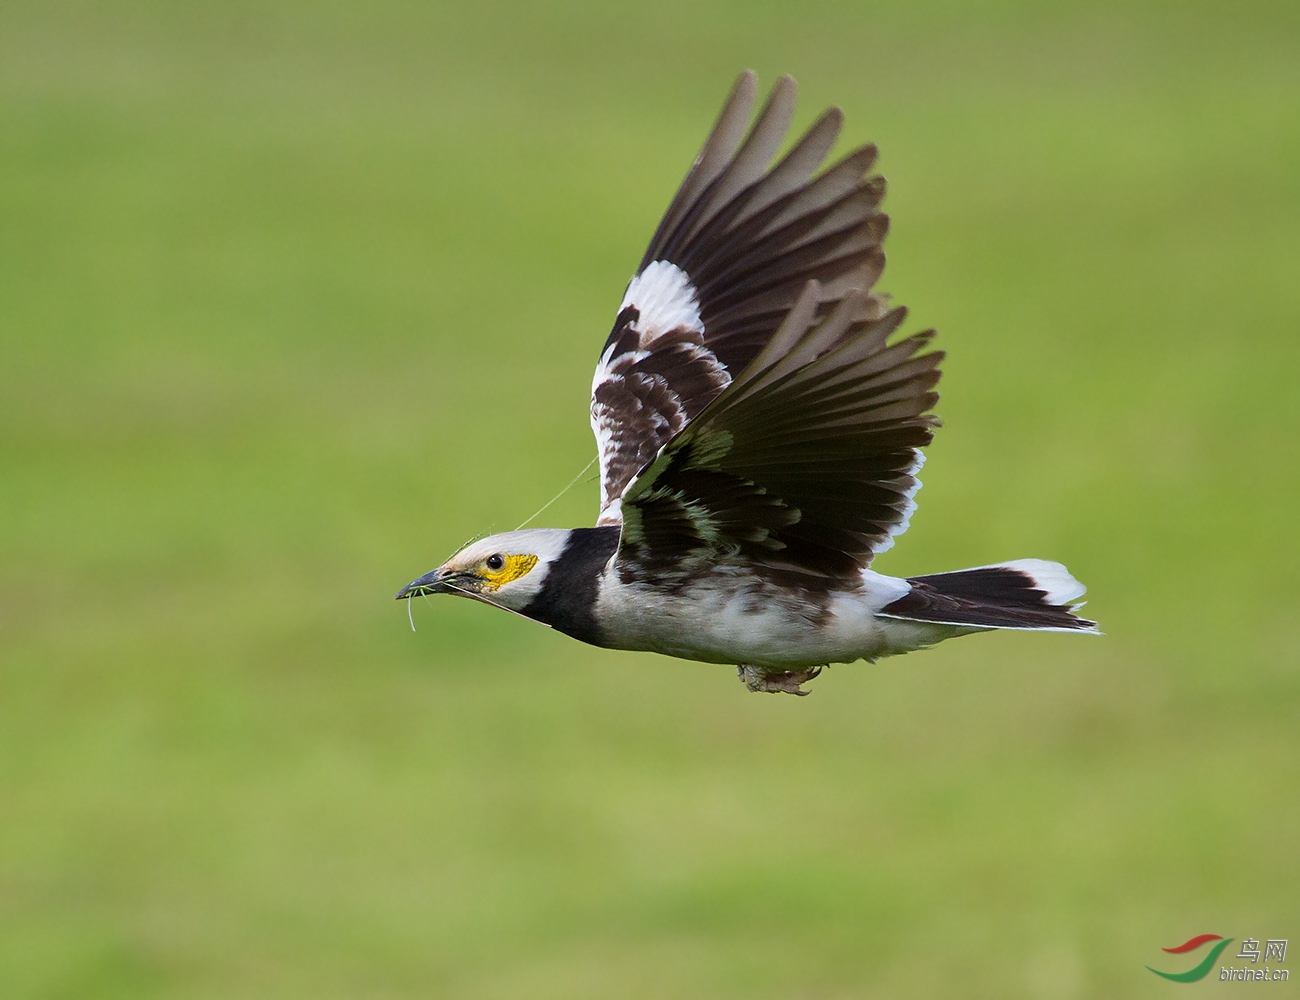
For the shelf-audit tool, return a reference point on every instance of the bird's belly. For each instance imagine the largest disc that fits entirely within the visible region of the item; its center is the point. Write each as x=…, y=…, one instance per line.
x=765, y=628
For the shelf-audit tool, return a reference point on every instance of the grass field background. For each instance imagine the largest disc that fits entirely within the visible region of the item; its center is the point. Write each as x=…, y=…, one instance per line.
x=295, y=298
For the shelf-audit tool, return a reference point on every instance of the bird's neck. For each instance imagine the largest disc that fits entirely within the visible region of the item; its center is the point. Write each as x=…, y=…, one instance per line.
x=567, y=600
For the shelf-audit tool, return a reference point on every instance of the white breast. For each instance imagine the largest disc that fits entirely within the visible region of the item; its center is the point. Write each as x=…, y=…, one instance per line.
x=723, y=619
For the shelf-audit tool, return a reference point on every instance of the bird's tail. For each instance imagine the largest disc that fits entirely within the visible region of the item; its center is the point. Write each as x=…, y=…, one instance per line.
x=1024, y=594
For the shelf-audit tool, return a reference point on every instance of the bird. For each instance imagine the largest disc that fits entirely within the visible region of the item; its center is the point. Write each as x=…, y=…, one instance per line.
x=759, y=428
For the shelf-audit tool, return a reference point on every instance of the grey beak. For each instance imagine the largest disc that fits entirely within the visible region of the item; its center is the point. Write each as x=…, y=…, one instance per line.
x=427, y=584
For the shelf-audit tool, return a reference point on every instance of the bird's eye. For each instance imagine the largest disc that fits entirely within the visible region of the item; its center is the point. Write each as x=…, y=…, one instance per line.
x=496, y=563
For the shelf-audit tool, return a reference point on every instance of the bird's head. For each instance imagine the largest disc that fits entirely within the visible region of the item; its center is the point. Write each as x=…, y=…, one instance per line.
x=506, y=569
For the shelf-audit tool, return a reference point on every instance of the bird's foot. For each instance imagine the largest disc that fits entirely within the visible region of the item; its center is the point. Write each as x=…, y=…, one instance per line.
x=776, y=681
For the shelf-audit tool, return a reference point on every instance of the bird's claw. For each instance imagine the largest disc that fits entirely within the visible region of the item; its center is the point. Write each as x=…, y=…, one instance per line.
x=776, y=681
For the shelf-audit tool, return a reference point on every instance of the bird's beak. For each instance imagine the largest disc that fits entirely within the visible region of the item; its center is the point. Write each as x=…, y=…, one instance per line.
x=430, y=583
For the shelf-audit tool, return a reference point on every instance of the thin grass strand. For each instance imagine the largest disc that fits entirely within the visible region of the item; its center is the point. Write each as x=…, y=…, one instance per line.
x=572, y=483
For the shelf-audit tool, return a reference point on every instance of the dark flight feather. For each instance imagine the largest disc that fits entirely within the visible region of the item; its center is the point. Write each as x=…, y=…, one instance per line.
x=800, y=466
x=748, y=236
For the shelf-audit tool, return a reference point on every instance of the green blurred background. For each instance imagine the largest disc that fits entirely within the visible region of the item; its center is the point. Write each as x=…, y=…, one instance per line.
x=295, y=298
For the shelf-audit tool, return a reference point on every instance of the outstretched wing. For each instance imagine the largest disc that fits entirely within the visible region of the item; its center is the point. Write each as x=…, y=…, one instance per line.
x=803, y=468
x=732, y=254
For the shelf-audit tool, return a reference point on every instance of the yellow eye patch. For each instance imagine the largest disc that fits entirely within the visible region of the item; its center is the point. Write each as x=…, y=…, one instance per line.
x=515, y=567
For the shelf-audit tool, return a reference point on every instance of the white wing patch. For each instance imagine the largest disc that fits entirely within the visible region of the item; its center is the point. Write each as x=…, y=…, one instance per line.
x=664, y=296
x=654, y=376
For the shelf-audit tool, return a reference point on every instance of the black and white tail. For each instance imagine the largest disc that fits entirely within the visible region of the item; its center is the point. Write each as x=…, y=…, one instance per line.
x=1024, y=594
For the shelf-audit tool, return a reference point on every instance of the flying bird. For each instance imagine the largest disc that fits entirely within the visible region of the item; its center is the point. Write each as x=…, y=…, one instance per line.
x=759, y=431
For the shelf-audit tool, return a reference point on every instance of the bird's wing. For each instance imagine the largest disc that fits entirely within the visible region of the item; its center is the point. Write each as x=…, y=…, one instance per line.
x=731, y=256
x=803, y=468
